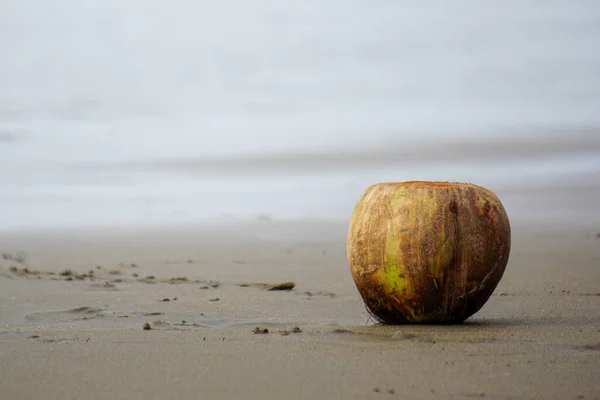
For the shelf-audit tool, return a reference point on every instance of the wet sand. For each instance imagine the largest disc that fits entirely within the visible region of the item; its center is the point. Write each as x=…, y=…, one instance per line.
x=72, y=322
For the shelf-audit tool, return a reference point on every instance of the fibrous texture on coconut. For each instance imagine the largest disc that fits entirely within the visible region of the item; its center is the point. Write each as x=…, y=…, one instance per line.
x=427, y=252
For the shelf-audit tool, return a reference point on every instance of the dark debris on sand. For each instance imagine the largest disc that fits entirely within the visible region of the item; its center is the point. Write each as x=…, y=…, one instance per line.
x=286, y=332
x=282, y=286
x=67, y=274
x=19, y=257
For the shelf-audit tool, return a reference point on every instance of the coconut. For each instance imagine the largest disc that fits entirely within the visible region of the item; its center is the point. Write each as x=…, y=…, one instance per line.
x=427, y=252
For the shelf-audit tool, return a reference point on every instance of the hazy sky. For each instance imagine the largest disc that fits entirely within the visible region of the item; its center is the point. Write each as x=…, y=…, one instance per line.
x=235, y=76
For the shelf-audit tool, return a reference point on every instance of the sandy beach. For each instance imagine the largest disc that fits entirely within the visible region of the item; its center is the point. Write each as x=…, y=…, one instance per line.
x=74, y=304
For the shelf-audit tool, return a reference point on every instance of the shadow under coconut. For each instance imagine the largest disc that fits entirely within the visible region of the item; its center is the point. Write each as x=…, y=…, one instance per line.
x=468, y=332
x=526, y=321
x=482, y=323
x=492, y=330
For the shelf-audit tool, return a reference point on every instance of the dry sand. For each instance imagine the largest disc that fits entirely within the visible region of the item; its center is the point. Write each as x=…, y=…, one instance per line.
x=79, y=334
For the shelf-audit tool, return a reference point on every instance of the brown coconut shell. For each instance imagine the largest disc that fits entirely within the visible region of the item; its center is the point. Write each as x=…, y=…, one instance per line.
x=427, y=252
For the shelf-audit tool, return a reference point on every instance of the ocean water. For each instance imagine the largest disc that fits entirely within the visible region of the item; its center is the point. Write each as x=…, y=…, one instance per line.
x=146, y=112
